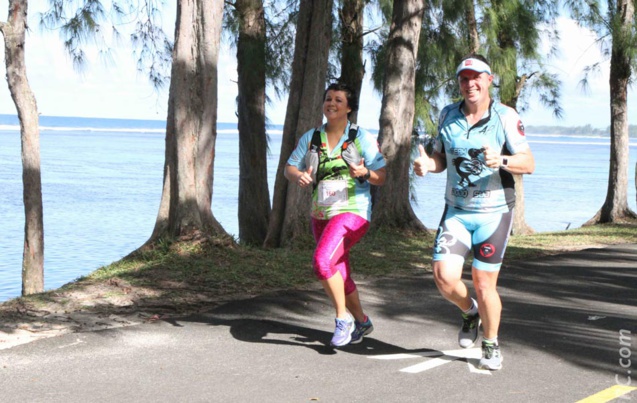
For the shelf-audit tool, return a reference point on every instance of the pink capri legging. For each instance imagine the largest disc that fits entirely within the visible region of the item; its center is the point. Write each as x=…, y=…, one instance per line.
x=334, y=238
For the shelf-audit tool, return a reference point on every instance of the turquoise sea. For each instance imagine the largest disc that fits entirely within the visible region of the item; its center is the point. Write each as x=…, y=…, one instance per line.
x=102, y=182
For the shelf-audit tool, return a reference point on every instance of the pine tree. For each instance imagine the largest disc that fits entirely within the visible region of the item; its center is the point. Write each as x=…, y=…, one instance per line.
x=392, y=207
x=14, y=46
x=615, y=22
x=289, y=220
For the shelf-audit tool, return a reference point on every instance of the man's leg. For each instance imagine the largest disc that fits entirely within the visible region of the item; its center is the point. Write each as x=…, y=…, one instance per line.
x=489, y=303
x=448, y=278
x=490, y=241
x=490, y=307
x=451, y=248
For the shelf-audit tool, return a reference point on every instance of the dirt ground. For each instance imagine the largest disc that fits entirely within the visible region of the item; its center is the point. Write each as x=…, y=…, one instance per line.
x=96, y=306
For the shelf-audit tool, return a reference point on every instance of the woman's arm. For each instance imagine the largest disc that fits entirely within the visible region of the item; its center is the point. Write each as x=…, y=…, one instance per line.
x=377, y=177
x=301, y=178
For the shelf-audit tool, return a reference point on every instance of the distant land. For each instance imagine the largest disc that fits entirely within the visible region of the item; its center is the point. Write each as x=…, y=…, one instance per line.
x=584, y=130
x=12, y=119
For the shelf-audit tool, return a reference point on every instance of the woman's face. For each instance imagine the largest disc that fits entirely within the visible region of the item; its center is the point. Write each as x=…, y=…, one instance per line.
x=335, y=105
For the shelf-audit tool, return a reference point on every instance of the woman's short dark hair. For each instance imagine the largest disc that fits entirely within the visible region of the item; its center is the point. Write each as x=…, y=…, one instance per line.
x=352, y=99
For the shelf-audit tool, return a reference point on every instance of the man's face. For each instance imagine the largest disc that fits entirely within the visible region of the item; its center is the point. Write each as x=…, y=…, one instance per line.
x=474, y=86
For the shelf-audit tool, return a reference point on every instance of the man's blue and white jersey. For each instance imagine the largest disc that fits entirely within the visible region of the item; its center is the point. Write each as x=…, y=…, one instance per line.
x=471, y=185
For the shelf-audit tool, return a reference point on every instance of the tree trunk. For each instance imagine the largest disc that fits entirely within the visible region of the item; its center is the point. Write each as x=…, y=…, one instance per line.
x=472, y=26
x=26, y=106
x=352, y=66
x=289, y=220
x=392, y=207
x=254, y=195
x=519, y=226
x=509, y=95
x=615, y=208
x=186, y=206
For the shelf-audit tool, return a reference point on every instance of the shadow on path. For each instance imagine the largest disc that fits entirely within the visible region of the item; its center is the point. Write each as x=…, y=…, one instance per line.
x=573, y=306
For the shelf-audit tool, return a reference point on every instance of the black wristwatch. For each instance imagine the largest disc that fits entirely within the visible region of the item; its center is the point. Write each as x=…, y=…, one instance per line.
x=367, y=175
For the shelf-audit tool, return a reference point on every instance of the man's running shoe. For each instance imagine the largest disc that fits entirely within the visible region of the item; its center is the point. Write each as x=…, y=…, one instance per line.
x=343, y=332
x=491, y=357
x=469, y=332
x=362, y=329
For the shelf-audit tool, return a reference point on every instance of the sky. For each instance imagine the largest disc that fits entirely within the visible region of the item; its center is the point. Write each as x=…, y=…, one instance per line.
x=117, y=90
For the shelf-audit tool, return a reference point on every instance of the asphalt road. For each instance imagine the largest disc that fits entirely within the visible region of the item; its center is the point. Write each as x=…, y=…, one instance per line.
x=569, y=332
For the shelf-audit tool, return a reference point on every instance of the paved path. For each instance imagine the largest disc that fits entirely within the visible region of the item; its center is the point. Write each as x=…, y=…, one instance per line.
x=569, y=332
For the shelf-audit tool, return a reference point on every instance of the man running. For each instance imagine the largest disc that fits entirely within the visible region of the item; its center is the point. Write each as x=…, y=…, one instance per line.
x=482, y=144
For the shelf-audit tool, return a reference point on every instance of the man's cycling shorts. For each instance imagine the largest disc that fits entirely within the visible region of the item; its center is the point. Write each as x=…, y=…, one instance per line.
x=486, y=234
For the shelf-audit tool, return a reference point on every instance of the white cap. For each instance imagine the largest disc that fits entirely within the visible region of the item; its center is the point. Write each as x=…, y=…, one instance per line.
x=476, y=65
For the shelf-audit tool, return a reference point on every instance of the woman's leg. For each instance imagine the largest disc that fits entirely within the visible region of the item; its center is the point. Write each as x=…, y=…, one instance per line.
x=335, y=238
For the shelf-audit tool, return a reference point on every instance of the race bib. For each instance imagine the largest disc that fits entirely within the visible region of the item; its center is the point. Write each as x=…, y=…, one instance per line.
x=332, y=193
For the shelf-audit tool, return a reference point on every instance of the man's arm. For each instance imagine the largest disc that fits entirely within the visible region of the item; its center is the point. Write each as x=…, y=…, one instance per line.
x=519, y=163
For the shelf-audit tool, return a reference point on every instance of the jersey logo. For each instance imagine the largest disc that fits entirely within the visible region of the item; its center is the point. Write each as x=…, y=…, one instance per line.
x=487, y=250
x=444, y=241
x=459, y=192
x=481, y=193
x=520, y=128
x=466, y=167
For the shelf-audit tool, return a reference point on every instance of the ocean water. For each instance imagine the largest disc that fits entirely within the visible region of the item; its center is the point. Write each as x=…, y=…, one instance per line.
x=102, y=182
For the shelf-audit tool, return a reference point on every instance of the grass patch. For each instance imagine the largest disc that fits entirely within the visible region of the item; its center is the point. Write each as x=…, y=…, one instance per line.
x=226, y=269
x=187, y=274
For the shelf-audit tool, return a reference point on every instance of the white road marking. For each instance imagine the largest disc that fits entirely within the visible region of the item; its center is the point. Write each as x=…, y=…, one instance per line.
x=77, y=341
x=472, y=355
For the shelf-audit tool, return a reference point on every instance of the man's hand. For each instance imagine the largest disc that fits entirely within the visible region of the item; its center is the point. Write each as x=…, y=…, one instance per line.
x=421, y=164
x=492, y=158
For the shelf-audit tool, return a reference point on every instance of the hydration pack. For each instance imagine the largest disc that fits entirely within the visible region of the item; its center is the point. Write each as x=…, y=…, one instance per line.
x=349, y=151
x=351, y=136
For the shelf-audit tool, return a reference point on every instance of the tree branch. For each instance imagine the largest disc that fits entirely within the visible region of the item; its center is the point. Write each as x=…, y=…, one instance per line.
x=371, y=31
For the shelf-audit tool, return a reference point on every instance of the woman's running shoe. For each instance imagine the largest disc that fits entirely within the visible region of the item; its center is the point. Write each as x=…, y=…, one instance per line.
x=343, y=332
x=362, y=329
